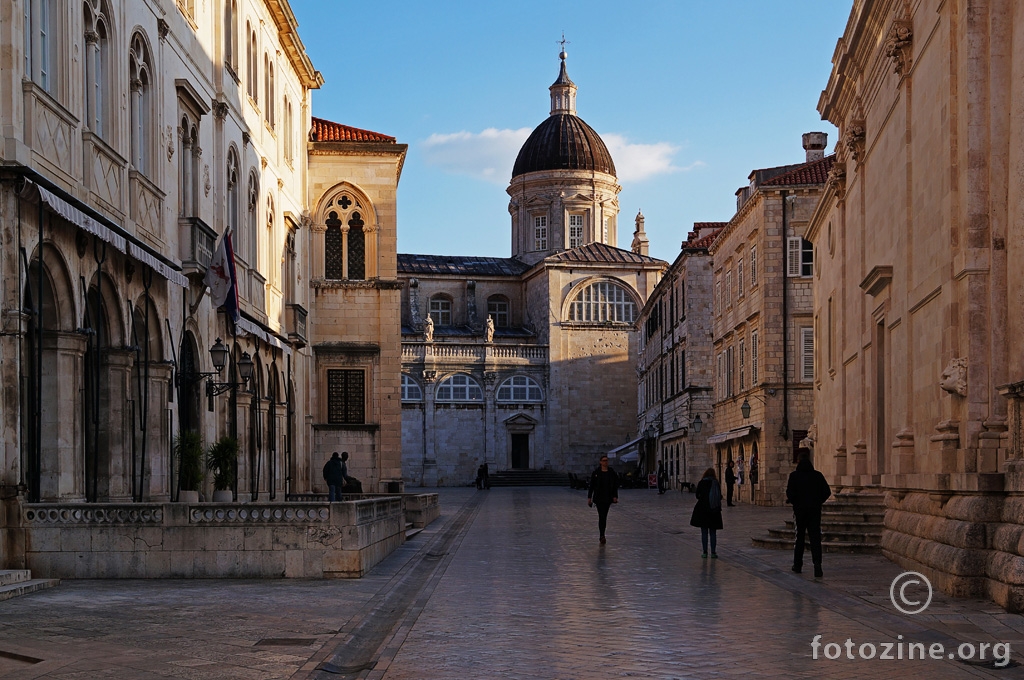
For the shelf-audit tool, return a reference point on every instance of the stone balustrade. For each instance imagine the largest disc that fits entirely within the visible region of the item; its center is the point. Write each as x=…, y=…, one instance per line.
x=413, y=351
x=210, y=540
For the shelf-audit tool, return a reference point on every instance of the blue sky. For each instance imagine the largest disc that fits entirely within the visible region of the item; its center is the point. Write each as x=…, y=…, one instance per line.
x=688, y=96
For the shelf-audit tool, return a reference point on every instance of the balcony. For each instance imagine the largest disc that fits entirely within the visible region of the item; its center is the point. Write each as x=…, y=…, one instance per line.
x=295, y=322
x=200, y=240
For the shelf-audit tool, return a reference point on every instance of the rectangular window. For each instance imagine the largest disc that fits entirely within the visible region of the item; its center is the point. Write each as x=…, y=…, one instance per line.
x=806, y=354
x=753, y=266
x=540, y=233
x=728, y=289
x=793, y=247
x=498, y=310
x=682, y=371
x=742, y=348
x=807, y=258
x=720, y=383
x=682, y=301
x=718, y=297
x=739, y=278
x=575, y=231
x=441, y=311
x=729, y=368
x=346, y=401
x=753, y=359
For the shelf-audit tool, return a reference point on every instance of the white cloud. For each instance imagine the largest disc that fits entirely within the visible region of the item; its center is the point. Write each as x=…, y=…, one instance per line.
x=489, y=155
x=637, y=162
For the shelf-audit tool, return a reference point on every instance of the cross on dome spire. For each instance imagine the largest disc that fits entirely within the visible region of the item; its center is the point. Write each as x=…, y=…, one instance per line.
x=563, y=90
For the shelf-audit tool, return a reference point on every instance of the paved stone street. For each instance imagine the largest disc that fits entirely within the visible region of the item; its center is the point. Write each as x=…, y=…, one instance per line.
x=512, y=583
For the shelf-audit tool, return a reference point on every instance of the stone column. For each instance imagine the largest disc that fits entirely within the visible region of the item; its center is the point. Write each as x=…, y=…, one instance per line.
x=429, y=457
x=490, y=380
x=1014, y=463
x=370, y=235
x=157, y=473
x=62, y=469
x=316, y=248
x=116, y=431
x=243, y=404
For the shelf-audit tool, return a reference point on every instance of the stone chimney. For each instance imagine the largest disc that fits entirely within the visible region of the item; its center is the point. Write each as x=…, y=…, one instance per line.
x=814, y=145
x=640, y=242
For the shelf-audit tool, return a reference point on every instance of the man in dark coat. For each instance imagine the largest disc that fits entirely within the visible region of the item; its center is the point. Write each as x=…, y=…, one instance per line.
x=604, y=490
x=730, y=482
x=807, y=491
x=334, y=475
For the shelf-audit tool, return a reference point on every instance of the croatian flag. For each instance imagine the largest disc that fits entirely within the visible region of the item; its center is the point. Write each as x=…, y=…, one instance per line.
x=221, y=278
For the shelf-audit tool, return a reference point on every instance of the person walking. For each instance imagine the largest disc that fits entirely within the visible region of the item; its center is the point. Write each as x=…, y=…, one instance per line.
x=662, y=478
x=730, y=482
x=603, y=491
x=807, y=491
x=707, y=514
x=334, y=475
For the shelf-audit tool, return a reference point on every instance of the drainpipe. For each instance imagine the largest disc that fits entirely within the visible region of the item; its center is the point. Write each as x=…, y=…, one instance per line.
x=784, y=430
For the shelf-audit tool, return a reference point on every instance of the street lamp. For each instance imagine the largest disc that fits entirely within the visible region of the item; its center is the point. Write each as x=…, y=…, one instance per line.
x=697, y=424
x=219, y=355
x=745, y=408
x=675, y=424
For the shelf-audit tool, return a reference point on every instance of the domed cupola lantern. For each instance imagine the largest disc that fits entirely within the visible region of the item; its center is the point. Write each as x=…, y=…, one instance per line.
x=564, y=192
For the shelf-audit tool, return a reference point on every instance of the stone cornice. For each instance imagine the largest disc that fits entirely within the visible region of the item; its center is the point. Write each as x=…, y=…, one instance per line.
x=365, y=284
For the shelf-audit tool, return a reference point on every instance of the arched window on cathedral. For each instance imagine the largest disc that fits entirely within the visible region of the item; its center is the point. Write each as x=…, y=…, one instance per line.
x=603, y=302
x=441, y=310
x=459, y=387
x=97, y=67
x=520, y=389
x=498, y=309
x=141, y=102
x=252, y=235
x=411, y=390
x=268, y=244
x=333, y=248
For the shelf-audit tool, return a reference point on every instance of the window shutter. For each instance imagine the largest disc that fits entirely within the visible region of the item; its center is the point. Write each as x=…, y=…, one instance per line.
x=753, y=359
x=794, y=244
x=753, y=266
x=739, y=278
x=807, y=343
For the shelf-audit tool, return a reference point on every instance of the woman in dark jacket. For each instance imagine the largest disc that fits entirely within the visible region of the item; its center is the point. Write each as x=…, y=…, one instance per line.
x=707, y=514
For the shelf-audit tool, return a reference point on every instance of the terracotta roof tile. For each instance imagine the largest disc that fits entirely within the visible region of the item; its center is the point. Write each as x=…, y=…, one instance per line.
x=704, y=241
x=328, y=131
x=815, y=172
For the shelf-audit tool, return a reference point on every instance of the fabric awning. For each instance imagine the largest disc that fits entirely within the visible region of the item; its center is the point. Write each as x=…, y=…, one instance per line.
x=735, y=433
x=251, y=328
x=77, y=217
x=614, y=452
x=159, y=267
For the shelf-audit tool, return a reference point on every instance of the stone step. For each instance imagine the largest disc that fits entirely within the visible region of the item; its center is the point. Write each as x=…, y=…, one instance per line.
x=410, y=532
x=849, y=517
x=25, y=587
x=9, y=576
x=829, y=547
x=832, y=536
x=529, y=478
x=871, y=499
x=832, y=527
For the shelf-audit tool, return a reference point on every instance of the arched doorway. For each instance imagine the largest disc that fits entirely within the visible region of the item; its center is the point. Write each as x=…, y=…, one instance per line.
x=95, y=400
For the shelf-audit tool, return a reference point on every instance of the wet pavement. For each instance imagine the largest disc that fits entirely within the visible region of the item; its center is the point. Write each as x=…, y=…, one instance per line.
x=512, y=583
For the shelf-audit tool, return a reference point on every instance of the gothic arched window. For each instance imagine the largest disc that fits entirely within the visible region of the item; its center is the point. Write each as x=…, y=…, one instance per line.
x=252, y=235
x=603, y=302
x=97, y=67
x=141, y=102
x=459, y=387
x=334, y=248
x=356, y=248
x=232, y=189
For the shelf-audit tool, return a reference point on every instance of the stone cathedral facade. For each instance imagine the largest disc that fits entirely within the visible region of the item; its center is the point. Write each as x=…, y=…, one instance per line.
x=525, y=362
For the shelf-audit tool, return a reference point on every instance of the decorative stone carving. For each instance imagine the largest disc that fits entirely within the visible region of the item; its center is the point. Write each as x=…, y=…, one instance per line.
x=326, y=536
x=170, y=142
x=206, y=180
x=837, y=179
x=899, y=41
x=854, y=140
x=954, y=378
x=489, y=330
x=162, y=28
x=428, y=330
x=429, y=376
x=490, y=377
x=220, y=109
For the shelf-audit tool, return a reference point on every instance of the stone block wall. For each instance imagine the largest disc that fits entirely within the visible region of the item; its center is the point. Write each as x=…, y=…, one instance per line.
x=209, y=540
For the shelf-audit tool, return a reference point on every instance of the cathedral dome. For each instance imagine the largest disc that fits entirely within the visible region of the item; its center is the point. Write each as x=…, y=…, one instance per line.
x=563, y=142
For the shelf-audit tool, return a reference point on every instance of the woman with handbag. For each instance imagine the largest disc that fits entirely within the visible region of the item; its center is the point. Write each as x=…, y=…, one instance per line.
x=707, y=514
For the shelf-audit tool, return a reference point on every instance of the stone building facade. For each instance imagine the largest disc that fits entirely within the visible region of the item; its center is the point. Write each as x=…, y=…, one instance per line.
x=522, y=362
x=916, y=304
x=763, y=323
x=135, y=136
x=675, y=364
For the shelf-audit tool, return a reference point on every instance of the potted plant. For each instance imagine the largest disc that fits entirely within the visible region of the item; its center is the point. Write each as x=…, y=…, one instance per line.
x=188, y=450
x=222, y=461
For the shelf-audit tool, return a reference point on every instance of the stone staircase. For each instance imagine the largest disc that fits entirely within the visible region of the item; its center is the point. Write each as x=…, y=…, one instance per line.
x=529, y=478
x=14, y=582
x=851, y=522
